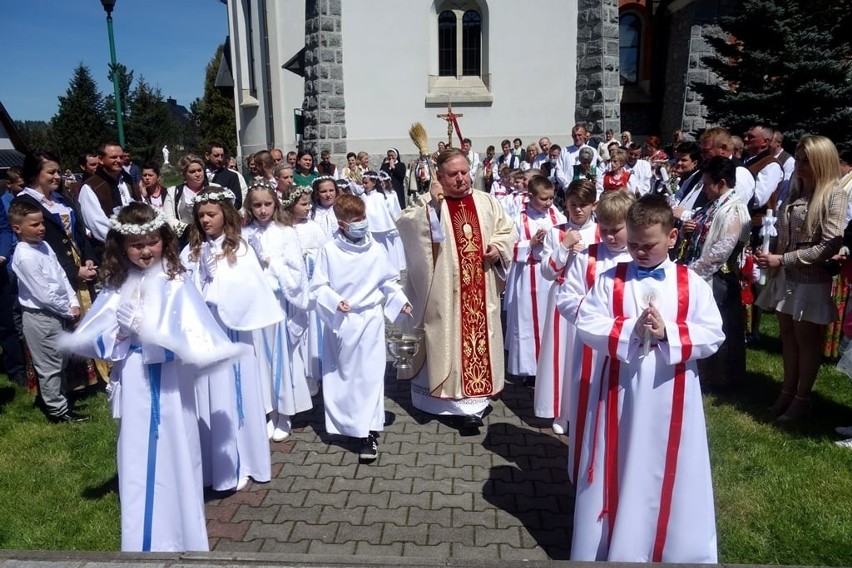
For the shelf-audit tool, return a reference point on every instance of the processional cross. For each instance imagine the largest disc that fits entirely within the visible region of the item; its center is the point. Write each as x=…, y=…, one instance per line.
x=452, y=123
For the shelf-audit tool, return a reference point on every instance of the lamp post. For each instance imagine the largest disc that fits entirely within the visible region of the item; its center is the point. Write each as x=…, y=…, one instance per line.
x=113, y=71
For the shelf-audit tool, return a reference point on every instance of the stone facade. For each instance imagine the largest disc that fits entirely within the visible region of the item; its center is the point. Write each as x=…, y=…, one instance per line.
x=597, y=88
x=324, y=109
x=694, y=112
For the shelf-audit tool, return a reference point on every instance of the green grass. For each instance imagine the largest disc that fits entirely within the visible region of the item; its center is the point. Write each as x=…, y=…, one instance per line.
x=57, y=482
x=783, y=493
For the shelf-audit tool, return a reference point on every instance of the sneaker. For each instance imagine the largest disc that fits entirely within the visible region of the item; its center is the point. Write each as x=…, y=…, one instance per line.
x=847, y=443
x=844, y=431
x=279, y=434
x=369, y=447
x=560, y=426
x=69, y=416
x=242, y=483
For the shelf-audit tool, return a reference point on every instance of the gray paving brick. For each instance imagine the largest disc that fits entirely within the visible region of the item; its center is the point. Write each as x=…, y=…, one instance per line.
x=462, y=518
x=305, y=484
x=334, y=471
x=331, y=458
x=430, y=485
x=398, y=485
x=441, y=550
x=444, y=459
x=405, y=471
x=359, y=533
x=282, y=484
x=401, y=500
x=335, y=549
x=376, y=470
x=461, y=459
x=367, y=549
x=464, y=478
x=228, y=545
x=509, y=553
x=464, y=501
x=344, y=484
x=391, y=515
x=357, y=499
x=264, y=514
x=334, y=499
x=395, y=458
x=406, y=437
x=428, y=428
x=294, y=470
x=289, y=498
x=416, y=449
x=409, y=535
x=274, y=546
x=289, y=460
x=354, y=515
x=510, y=536
x=417, y=516
x=321, y=533
x=306, y=514
x=461, y=535
x=461, y=551
x=275, y=531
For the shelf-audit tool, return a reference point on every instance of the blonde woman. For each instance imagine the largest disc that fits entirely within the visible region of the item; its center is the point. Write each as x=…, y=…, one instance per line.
x=810, y=231
x=177, y=205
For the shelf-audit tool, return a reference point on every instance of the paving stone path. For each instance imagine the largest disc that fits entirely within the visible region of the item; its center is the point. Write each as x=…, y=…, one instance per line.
x=501, y=494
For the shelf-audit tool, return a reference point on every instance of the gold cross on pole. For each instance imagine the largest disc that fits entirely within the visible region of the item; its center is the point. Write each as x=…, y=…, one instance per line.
x=450, y=117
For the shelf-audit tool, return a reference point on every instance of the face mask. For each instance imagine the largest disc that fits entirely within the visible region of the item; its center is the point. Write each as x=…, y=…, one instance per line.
x=358, y=230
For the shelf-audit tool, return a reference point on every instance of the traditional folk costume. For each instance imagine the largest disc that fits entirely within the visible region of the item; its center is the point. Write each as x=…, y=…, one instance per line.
x=354, y=342
x=312, y=237
x=578, y=385
x=526, y=304
x=551, y=393
x=460, y=363
x=282, y=369
x=152, y=393
x=231, y=409
x=644, y=492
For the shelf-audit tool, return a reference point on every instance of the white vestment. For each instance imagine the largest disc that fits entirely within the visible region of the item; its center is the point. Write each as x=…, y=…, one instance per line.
x=644, y=492
x=231, y=411
x=152, y=393
x=312, y=237
x=353, y=380
x=526, y=304
x=551, y=395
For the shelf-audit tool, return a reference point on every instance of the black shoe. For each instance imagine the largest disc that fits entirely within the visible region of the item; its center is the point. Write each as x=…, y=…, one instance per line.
x=752, y=340
x=69, y=416
x=369, y=447
x=470, y=422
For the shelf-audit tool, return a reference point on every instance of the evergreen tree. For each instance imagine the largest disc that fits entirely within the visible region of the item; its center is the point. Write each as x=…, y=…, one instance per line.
x=36, y=133
x=125, y=82
x=785, y=63
x=149, y=123
x=215, y=112
x=79, y=124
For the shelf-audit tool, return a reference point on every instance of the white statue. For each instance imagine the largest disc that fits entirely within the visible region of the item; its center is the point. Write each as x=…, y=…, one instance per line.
x=165, y=155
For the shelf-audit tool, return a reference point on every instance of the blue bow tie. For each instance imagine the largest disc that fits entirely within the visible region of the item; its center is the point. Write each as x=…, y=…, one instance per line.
x=655, y=273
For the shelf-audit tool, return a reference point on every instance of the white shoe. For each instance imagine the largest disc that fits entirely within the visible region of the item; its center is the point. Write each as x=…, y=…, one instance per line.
x=844, y=431
x=280, y=435
x=847, y=443
x=270, y=429
x=313, y=387
x=560, y=426
x=241, y=484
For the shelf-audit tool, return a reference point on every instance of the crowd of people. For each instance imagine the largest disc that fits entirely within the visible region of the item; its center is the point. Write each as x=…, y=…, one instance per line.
x=630, y=278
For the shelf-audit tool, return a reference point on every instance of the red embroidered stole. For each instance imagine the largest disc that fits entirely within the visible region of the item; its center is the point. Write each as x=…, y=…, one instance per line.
x=476, y=372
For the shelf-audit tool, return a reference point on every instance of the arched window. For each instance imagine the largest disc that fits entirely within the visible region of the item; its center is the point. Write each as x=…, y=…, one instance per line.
x=629, y=37
x=447, y=42
x=471, y=43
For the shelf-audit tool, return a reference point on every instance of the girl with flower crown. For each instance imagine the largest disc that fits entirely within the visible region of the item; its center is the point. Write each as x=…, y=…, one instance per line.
x=296, y=210
x=157, y=331
x=324, y=193
x=285, y=388
x=234, y=440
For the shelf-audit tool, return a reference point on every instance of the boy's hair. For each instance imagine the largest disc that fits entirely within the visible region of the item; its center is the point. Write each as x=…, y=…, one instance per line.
x=19, y=209
x=115, y=264
x=649, y=210
x=613, y=206
x=14, y=174
x=537, y=184
x=351, y=155
x=348, y=207
x=582, y=189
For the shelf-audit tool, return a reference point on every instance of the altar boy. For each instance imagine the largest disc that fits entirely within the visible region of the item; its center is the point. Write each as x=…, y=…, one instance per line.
x=352, y=277
x=644, y=491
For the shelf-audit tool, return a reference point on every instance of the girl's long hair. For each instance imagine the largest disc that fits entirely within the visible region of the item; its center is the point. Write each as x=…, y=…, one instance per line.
x=115, y=264
x=255, y=188
x=825, y=164
x=232, y=227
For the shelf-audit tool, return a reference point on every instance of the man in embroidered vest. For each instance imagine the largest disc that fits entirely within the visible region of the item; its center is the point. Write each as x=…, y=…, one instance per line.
x=644, y=491
x=108, y=189
x=458, y=245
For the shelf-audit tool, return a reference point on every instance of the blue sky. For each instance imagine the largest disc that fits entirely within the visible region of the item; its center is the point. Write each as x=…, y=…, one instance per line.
x=169, y=42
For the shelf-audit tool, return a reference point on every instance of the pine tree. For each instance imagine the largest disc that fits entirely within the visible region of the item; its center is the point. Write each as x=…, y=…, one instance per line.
x=79, y=124
x=785, y=63
x=149, y=123
x=125, y=82
x=215, y=111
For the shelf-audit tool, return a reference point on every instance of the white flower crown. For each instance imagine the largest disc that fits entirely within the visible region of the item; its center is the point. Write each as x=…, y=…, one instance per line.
x=215, y=196
x=294, y=196
x=129, y=229
x=318, y=179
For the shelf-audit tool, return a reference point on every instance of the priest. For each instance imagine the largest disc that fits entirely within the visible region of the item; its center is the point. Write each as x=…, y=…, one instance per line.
x=458, y=245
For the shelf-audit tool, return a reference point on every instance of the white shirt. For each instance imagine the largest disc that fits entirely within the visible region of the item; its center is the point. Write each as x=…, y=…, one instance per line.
x=93, y=215
x=509, y=159
x=42, y=283
x=766, y=181
x=473, y=158
x=640, y=177
x=570, y=157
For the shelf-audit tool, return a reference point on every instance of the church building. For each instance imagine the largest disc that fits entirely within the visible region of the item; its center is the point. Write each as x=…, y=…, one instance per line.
x=354, y=75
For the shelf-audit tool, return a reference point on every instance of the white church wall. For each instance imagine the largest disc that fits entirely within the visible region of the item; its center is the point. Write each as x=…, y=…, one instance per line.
x=390, y=50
